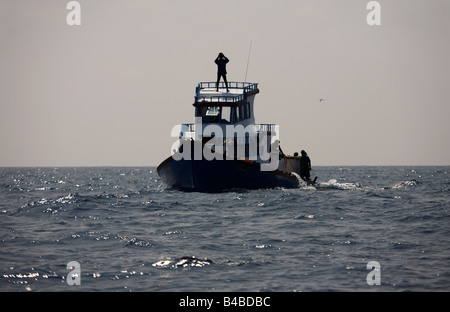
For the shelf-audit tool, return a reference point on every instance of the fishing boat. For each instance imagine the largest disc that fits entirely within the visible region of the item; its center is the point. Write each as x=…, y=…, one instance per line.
x=224, y=149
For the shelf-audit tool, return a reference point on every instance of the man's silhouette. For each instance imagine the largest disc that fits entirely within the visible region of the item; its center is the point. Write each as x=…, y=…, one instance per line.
x=221, y=62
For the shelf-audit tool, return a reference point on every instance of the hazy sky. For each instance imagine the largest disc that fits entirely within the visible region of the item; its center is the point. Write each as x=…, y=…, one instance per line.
x=108, y=92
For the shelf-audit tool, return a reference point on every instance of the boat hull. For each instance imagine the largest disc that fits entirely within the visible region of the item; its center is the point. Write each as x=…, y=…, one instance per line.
x=220, y=175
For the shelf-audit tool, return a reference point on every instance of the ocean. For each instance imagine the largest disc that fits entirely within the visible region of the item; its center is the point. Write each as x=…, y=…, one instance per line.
x=119, y=229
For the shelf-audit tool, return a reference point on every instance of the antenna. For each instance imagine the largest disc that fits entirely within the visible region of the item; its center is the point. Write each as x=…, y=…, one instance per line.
x=248, y=60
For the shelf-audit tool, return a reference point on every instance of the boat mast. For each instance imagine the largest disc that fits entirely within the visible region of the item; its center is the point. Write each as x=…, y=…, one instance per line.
x=248, y=61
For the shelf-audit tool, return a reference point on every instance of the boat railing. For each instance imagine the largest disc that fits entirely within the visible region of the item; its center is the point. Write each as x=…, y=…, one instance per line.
x=233, y=98
x=187, y=130
x=219, y=98
x=265, y=128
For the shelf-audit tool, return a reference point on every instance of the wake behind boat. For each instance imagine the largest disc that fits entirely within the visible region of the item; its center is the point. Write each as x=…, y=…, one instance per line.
x=225, y=149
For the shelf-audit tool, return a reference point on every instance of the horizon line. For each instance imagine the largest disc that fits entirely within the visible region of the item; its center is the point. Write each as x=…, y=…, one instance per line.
x=150, y=166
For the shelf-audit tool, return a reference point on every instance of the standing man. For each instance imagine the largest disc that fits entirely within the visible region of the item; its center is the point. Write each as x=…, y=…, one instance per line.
x=221, y=62
x=305, y=166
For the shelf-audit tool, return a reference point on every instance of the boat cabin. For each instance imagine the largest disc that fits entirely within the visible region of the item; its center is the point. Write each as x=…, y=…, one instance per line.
x=222, y=107
x=227, y=116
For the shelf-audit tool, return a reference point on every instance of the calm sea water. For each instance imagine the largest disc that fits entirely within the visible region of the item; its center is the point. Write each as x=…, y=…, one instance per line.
x=128, y=233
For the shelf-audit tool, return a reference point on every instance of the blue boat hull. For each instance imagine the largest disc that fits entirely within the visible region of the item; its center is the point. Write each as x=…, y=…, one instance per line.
x=220, y=175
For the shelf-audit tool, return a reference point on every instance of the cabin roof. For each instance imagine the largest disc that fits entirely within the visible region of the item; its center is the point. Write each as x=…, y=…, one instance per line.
x=206, y=94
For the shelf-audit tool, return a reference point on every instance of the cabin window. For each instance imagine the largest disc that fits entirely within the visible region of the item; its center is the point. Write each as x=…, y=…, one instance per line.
x=208, y=113
x=213, y=111
x=226, y=114
x=238, y=114
x=247, y=110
